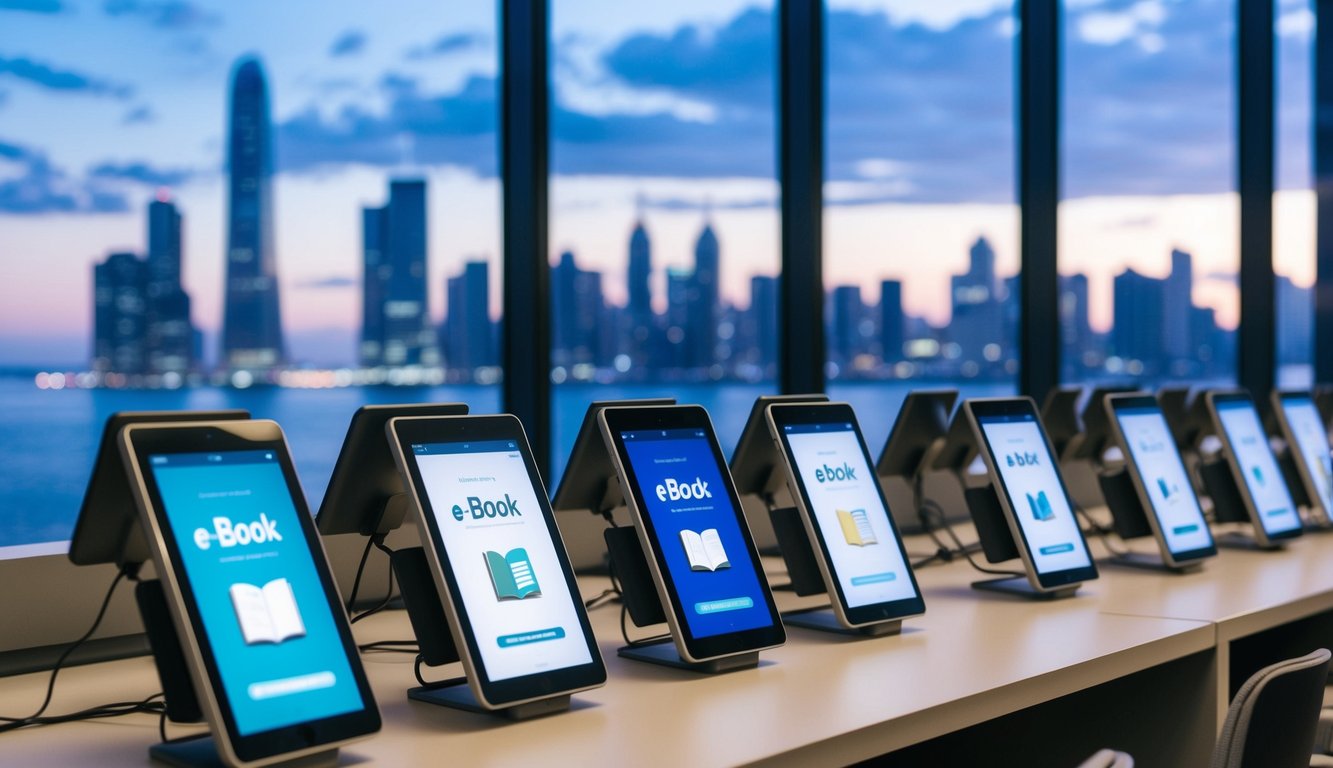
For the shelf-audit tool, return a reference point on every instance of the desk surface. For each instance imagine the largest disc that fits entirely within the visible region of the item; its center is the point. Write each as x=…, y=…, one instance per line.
x=1242, y=591
x=821, y=697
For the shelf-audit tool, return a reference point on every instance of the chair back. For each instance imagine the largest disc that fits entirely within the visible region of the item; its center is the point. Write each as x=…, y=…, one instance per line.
x=1271, y=722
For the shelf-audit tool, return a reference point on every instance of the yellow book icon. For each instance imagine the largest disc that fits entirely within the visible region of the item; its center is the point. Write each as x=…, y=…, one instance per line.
x=856, y=528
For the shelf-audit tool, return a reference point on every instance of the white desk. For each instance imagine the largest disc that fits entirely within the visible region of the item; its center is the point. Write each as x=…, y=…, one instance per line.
x=819, y=699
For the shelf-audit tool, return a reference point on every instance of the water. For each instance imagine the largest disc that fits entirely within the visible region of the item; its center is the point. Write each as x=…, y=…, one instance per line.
x=48, y=439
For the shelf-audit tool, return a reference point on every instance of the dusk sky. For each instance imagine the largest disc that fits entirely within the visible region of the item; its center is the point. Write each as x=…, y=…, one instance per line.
x=104, y=103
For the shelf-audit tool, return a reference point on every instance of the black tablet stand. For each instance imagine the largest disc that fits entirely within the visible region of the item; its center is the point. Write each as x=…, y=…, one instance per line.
x=1228, y=507
x=425, y=611
x=178, y=692
x=639, y=595
x=997, y=543
x=806, y=579
x=1130, y=521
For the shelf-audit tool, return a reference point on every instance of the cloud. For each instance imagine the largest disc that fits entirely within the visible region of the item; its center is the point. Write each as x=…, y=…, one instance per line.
x=38, y=187
x=351, y=42
x=448, y=44
x=140, y=173
x=46, y=76
x=33, y=6
x=140, y=114
x=166, y=14
x=326, y=283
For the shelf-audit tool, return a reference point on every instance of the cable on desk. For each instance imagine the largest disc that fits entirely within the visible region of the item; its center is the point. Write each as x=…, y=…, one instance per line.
x=964, y=549
x=390, y=646
x=115, y=709
x=624, y=632
x=360, y=570
x=416, y=670
x=376, y=541
x=1102, y=531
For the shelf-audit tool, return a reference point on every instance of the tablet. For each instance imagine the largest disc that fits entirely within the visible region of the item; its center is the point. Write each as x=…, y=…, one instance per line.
x=490, y=537
x=858, y=549
x=1258, y=477
x=922, y=422
x=1307, y=439
x=694, y=537
x=1031, y=491
x=1160, y=479
x=107, y=529
x=265, y=637
x=756, y=456
x=364, y=477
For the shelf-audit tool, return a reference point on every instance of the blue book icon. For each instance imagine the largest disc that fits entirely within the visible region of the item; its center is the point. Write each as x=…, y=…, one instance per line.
x=1040, y=506
x=1166, y=490
x=512, y=576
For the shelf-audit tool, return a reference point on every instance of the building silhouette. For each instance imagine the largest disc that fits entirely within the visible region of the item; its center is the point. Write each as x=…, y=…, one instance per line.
x=252, y=337
x=141, y=313
x=170, y=336
x=468, y=331
x=892, y=323
x=976, y=313
x=705, y=298
x=642, y=323
x=395, y=317
x=1140, y=305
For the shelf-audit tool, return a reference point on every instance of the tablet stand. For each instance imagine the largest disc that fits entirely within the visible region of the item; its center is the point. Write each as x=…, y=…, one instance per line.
x=639, y=595
x=798, y=552
x=1228, y=507
x=1130, y=520
x=178, y=692
x=997, y=542
x=425, y=610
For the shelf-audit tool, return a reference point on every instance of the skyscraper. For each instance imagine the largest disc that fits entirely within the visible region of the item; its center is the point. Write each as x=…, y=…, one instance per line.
x=169, y=333
x=977, y=314
x=706, y=309
x=1139, y=310
x=892, y=328
x=763, y=321
x=252, y=322
x=640, y=307
x=468, y=340
x=395, y=323
x=1177, y=343
x=844, y=329
x=1075, y=329
x=577, y=307
x=119, y=312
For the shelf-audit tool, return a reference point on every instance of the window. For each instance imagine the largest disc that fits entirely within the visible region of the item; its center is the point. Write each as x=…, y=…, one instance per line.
x=1148, y=223
x=189, y=199
x=664, y=223
x=920, y=221
x=1294, y=202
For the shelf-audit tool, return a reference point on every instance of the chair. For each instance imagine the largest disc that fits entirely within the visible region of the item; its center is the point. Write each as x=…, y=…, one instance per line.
x=1271, y=722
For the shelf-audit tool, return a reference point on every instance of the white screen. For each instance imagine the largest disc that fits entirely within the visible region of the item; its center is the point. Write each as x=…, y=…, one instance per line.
x=1038, y=499
x=1249, y=445
x=1307, y=427
x=524, y=617
x=846, y=506
x=1164, y=478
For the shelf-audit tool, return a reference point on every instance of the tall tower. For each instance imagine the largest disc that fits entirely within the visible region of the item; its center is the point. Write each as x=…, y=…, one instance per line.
x=169, y=332
x=252, y=324
x=1177, y=343
x=706, y=312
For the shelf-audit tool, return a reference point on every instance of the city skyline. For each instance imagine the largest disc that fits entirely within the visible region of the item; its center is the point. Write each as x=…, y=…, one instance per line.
x=167, y=122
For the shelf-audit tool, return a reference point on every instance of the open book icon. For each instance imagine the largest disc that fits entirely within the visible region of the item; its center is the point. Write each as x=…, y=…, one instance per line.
x=512, y=575
x=268, y=614
x=856, y=528
x=704, y=550
x=1040, y=506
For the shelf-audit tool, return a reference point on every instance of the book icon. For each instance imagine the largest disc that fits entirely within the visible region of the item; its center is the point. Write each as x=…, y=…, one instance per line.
x=1040, y=506
x=512, y=575
x=704, y=550
x=1259, y=476
x=856, y=528
x=267, y=614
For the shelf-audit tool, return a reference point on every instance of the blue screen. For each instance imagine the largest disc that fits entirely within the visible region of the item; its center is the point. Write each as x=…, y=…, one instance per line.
x=698, y=530
x=275, y=643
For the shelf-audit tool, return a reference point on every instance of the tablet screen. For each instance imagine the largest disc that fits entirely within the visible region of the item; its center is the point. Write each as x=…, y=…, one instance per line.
x=1263, y=478
x=500, y=548
x=698, y=531
x=849, y=511
x=1036, y=495
x=1164, y=478
x=1312, y=448
x=278, y=651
